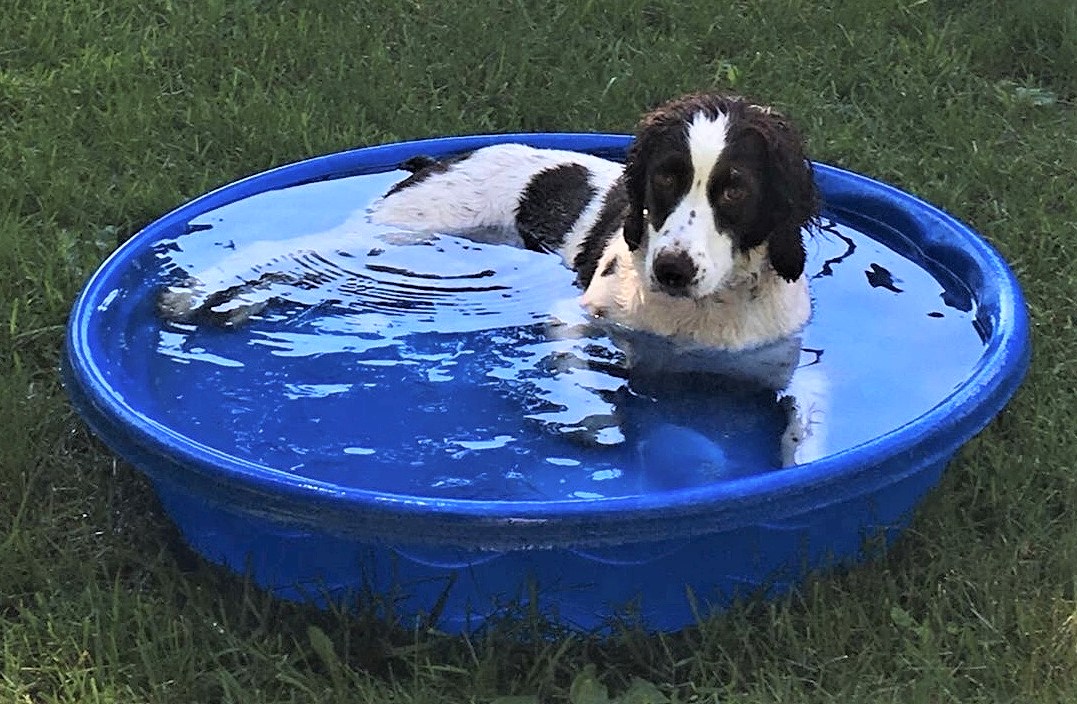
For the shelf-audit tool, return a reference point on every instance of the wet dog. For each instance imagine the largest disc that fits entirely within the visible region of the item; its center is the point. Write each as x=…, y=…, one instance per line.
x=696, y=242
x=698, y=238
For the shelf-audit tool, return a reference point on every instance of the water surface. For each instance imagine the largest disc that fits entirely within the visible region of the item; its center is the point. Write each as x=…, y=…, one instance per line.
x=441, y=367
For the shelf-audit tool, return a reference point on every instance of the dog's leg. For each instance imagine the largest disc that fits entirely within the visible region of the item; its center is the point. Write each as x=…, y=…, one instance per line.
x=805, y=405
x=246, y=280
x=189, y=301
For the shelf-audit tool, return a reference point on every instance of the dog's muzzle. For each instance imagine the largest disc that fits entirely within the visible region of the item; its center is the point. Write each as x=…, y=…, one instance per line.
x=674, y=272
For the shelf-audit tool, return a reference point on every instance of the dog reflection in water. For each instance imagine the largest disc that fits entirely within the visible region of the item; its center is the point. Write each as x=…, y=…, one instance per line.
x=687, y=417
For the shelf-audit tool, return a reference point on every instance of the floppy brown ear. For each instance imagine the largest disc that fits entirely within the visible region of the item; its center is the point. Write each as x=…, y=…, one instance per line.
x=790, y=191
x=786, y=252
x=635, y=180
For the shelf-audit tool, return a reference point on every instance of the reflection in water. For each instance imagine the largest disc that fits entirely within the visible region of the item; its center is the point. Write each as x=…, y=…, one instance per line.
x=442, y=367
x=881, y=277
x=833, y=233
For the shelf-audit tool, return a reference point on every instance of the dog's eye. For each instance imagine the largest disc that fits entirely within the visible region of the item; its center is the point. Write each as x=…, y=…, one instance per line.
x=665, y=181
x=733, y=193
x=669, y=175
x=731, y=189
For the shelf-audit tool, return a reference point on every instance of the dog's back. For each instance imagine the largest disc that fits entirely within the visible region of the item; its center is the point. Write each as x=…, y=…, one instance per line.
x=548, y=200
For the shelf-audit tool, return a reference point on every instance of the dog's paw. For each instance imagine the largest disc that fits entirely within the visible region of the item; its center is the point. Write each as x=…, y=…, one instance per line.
x=798, y=431
x=181, y=301
x=189, y=301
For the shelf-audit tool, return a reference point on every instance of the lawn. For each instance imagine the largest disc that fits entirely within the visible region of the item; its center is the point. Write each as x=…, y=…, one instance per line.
x=112, y=113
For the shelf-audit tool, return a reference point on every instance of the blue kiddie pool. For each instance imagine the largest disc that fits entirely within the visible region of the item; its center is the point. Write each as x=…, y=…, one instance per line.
x=431, y=425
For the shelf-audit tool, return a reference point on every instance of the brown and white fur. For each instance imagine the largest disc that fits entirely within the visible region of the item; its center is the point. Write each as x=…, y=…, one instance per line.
x=698, y=238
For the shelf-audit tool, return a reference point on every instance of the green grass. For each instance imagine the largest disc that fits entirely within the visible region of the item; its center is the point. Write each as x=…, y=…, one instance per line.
x=112, y=113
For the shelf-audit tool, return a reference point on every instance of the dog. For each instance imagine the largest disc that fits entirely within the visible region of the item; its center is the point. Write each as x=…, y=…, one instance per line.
x=691, y=253
x=697, y=242
x=697, y=239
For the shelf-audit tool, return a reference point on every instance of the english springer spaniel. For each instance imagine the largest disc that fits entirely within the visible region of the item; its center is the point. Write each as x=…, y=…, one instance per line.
x=698, y=238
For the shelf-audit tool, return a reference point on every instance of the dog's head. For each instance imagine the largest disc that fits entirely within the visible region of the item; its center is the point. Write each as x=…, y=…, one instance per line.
x=710, y=179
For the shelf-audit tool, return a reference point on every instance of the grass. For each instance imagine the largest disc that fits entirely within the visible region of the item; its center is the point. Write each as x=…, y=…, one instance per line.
x=112, y=113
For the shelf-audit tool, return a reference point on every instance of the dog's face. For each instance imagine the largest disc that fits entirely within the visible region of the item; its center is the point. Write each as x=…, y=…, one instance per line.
x=710, y=180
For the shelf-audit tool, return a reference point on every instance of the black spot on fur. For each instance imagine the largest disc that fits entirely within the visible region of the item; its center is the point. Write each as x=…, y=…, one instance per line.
x=418, y=163
x=423, y=167
x=610, y=219
x=610, y=269
x=551, y=204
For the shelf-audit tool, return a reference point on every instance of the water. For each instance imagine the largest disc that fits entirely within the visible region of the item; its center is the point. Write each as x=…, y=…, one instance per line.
x=440, y=367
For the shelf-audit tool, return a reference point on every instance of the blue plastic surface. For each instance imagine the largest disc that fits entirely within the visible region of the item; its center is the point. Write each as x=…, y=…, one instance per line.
x=667, y=555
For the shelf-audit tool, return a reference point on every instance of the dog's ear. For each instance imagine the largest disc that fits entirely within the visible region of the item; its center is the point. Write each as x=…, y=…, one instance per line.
x=649, y=132
x=793, y=202
x=635, y=181
x=787, y=254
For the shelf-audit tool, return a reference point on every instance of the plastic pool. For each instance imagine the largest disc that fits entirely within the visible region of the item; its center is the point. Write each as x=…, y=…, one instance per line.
x=403, y=430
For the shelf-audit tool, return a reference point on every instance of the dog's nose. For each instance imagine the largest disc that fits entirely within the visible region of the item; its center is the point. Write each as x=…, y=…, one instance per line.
x=674, y=272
